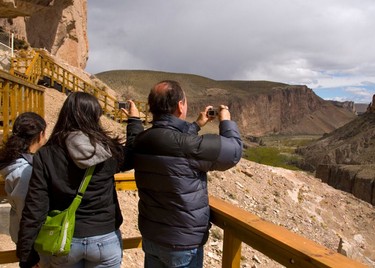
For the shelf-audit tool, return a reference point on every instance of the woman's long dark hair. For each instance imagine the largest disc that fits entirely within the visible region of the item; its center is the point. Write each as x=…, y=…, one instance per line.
x=26, y=131
x=81, y=112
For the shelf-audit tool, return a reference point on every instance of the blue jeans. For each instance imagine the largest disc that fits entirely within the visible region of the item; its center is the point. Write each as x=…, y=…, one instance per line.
x=95, y=251
x=157, y=256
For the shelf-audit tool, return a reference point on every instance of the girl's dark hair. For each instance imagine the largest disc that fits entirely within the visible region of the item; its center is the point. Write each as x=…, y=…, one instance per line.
x=26, y=131
x=165, y=101
x=81, y=112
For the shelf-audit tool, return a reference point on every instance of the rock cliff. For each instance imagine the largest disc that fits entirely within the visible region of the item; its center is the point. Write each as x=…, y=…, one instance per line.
x=259, y=107
x=358, y=180
x=288, y=110
x=351, y=144
x=345, y=158
x=58, y=26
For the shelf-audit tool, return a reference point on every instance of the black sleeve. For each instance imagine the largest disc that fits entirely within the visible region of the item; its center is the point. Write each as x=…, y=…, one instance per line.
x=33, y=214
x=133, y=128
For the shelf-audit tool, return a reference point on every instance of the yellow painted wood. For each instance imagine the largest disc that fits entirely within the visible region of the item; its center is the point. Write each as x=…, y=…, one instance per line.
x=17, y=96
x=9, y=256
x=125, y=181
x=132, y=242
x=2, y=189
x=231, y=250
x=278, y=243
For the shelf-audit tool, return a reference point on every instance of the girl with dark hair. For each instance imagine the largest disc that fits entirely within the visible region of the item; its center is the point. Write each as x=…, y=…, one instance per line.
x=77, y=142
x=16, y=160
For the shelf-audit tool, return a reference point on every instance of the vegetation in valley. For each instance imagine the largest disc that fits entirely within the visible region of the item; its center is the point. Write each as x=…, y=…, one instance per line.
x=279, y=151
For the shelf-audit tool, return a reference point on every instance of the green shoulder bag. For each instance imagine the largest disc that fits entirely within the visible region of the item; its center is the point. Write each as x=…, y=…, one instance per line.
x=55, y=235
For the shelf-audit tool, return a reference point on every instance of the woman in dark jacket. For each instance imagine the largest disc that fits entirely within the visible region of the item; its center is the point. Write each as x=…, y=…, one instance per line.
x=77, y=142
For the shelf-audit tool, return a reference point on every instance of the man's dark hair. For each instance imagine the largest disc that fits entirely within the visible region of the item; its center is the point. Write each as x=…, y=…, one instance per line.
x=164, y=97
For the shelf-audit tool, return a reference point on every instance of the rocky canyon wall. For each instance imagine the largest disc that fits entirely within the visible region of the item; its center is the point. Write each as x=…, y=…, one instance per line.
x=356, y=179
x=60, y=26
x=345, y=159
x=283, y=110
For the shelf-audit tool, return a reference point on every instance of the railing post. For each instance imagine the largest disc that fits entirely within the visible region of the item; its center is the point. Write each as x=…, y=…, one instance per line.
x=231, y=250
x=6, y=105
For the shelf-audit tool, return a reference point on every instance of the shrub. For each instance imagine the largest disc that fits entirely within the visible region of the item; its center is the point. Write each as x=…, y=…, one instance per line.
x=271, y=156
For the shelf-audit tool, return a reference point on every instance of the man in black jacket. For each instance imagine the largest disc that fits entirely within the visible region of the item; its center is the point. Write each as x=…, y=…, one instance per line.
x=171, y=165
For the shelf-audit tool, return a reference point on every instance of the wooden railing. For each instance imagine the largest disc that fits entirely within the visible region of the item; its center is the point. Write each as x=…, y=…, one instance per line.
x=17, y=96
x=38, y=67
x=240, y=226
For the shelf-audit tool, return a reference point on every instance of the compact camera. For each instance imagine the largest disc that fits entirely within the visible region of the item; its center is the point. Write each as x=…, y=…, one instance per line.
x=211, y=112
x=123, y=104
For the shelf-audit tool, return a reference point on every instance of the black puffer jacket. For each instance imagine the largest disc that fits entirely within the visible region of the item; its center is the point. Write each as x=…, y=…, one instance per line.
x=171, y=162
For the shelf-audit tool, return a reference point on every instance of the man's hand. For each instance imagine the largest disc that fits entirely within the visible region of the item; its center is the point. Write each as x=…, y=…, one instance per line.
x=224, y=113
x=203, y=118
x=133, y=110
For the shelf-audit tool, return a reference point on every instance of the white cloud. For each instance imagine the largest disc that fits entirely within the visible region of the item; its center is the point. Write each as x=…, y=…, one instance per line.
x=360, y=92
x=318, y=43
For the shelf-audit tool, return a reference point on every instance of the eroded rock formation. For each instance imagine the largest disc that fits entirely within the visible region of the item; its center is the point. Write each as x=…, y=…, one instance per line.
x=356, y=179
x=58, y=26
x=345, y=158
x=371, y=107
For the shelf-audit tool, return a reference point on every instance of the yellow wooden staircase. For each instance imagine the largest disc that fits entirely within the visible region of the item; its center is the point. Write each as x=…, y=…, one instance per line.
x=21, y=88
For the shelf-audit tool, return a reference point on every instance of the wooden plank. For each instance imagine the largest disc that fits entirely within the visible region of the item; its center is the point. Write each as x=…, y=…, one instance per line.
x=2, y=188
x=232, y=249
x=125, y=181
x=9, y=256
x=278, y=243
x=132, y=242
x=17, y=80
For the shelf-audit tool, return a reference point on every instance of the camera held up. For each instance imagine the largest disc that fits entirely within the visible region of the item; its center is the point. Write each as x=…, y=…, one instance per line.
x=212, y=113
x=123, y=104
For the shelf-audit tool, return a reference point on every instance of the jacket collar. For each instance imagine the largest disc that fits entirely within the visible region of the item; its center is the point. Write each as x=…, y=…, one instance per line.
x=172, y=122
x=28, y=158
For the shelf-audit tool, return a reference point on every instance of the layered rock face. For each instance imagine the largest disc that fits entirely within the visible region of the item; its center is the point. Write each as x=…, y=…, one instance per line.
x=60, y=27
x=352, y=144
x=290, y=110
x=345, y=159
x=284, y=110
x=356, y=179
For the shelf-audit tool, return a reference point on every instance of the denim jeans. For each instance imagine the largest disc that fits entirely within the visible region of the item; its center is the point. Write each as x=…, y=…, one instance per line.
x=95, y=251
x=157, y=256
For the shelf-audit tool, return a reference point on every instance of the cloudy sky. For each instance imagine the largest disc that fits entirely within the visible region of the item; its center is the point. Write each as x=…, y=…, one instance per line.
x=328, y=45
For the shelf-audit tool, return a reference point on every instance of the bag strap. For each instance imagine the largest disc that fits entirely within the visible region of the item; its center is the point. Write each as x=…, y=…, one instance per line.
x=86, y=180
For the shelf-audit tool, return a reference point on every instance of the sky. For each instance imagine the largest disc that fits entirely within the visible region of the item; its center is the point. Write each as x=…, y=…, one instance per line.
x=327, y=45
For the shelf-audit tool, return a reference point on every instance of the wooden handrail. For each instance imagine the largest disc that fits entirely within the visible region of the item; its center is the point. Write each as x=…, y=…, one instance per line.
x=17, y=96
x=9, y=256
x=276, y=242
x=41, y=65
